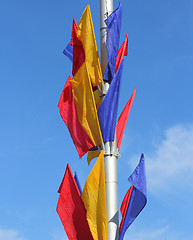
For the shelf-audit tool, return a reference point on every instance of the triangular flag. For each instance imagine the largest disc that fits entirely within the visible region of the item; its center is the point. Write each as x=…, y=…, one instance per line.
x=70, y=209
x=135, y=199
x=122, y=121
x=123, y=50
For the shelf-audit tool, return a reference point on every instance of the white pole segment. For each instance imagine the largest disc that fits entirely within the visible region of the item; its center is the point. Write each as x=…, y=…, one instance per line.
x=110, y=148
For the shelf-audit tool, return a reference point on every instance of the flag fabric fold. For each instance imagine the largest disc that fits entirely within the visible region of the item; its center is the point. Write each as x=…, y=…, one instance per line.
x=94, y=199
x=70, y=209
x=113, y=29
x=122, y=121
x=135, y=199
x=85, y=105
x=107, y=112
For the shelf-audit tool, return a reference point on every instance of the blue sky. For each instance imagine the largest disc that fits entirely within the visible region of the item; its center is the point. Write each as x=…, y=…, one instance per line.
x=35, y=145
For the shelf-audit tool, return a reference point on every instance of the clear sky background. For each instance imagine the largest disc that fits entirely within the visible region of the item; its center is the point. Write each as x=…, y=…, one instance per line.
x=35, y=145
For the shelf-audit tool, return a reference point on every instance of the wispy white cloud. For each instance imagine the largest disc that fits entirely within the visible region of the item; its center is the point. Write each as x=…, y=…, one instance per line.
x=169, y=166
x=10, y=234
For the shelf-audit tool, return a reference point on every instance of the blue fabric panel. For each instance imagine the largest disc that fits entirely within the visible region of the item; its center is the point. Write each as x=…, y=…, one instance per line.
x=107, y=112
x=113, y=28
x=78, y=183
x=68, y=51
x=138, y=197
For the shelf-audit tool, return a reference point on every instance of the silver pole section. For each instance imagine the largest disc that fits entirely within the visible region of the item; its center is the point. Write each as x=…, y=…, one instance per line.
x=110, y=148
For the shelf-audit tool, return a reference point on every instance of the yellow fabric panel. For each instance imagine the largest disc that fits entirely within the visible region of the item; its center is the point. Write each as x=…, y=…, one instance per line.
x=85, y=33
x=91, y=155
x=85, y=105
x=97, y=99
x=94, y=199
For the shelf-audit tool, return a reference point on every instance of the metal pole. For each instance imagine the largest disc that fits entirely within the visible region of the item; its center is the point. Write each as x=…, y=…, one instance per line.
x=110, y=148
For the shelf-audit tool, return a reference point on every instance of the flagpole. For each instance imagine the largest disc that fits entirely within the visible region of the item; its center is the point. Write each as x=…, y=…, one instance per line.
x=110, y=148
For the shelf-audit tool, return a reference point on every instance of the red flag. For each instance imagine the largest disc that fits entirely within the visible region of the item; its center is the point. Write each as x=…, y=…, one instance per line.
x=123, y=50
x=71, y=209
x=122, y=121
x=78, y=50
x=69, y=114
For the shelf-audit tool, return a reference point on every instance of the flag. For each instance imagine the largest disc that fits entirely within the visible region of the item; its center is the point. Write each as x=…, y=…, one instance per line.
x=123, y=51
x=78, y=183
x=135, y=199
x=122, y=121
x=94, y=199
x=87, y=74
x=85, y=33
x=70, y=209
x=69, y=114
x=113, y=29
x=107, y=112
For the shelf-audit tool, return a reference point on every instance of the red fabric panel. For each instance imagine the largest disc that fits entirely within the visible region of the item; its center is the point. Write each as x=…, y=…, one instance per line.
x=70, y=209
x=122, y=121
x=78, y=50
x=69, y=114
x=123, y=50
x=124, y=206
x=74, y=31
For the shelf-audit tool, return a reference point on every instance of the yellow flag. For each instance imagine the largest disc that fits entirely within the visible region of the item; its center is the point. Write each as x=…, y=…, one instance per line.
x=85, y=105
x=94, y=199
x=88, y=75
x=85, y=33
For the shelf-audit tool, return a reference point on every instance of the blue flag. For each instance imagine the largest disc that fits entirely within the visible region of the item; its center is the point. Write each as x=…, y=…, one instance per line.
x=113, y=28
x=78, y=183
x=107, y=112
x=135, y=199
x=68, y=51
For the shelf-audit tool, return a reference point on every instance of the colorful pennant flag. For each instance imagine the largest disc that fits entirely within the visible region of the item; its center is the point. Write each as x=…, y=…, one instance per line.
x=70, y=209
x=69, y=114
x=113, y=29
x=107, y=112
x=135, y=199
x=87, y=74
x=122, y=121
x=94, y=199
